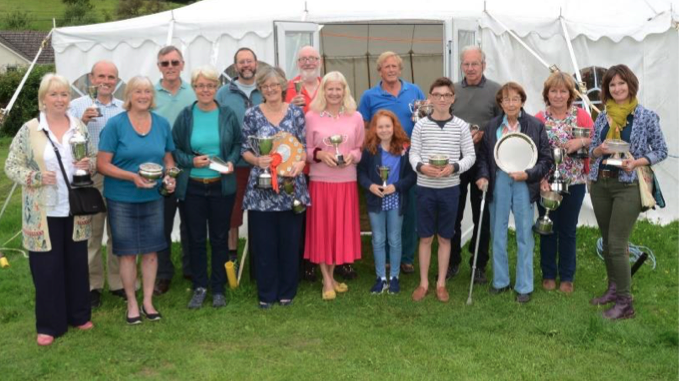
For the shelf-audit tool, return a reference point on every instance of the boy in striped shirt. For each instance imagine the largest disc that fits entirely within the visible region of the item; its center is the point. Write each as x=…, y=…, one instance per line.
x=439, y=134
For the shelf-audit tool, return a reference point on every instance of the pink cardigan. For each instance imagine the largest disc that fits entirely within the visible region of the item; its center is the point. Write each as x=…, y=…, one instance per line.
x=319, y=127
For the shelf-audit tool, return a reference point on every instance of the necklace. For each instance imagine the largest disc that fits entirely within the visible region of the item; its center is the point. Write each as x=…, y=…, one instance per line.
x=141, y=125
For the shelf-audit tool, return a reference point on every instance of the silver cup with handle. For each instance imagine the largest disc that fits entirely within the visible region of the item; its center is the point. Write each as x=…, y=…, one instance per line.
x=78, y=144
x=336, y=141
x=262, y=146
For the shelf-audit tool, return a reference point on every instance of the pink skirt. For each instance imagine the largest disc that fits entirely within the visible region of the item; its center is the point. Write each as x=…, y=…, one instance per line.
x=333, y=233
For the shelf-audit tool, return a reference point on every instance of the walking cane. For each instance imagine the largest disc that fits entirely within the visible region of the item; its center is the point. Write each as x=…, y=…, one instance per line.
x=476, y=249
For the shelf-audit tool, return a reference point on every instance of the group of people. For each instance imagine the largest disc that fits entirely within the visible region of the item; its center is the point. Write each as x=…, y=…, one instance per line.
x=302, y=198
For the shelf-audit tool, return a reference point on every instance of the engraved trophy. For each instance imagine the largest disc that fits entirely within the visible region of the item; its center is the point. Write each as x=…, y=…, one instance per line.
x=620, y=149
x=262, y=146
x=93, y=91
x=172, y=172
x=420, y=109
x=336, y=141
x=383, y=171
x=581, y=133
x=550, y=201
x=557, y=182
x=78, y=143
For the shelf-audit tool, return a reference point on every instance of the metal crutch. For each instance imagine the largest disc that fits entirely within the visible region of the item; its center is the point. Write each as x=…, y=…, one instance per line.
x=476, y=249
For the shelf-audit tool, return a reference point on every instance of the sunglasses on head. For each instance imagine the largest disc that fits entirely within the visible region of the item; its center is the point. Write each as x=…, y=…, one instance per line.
x=168, y=63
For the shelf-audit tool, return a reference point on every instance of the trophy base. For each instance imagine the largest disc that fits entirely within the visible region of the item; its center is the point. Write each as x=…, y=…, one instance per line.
x=298, y=207
x=81, y=181
x=340, y=159
x=543, y=227
x=613, y=162
x=264, y=181
x=559, y=187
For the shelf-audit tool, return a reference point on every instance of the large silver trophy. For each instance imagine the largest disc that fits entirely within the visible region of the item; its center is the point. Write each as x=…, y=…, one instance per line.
x=262, y=146
x=336, y=141
x=557, y=182
x=581, y=133
x=550, y=201
x=93, y=92
x=78, y=143
x=420, y=109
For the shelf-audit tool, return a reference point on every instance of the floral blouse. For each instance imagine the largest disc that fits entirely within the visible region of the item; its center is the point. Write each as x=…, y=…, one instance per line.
x=256, y=124
x=559, y=133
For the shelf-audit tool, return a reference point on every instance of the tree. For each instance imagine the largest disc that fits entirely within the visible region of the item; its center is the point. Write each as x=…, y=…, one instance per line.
x=26, y=106
x=78, y=12
x=17, y=20
x=134, y=8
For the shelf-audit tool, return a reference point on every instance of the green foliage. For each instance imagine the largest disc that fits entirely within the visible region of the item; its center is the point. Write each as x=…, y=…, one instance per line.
x=135, y=8
x=17, y=20
x=26, y=105
x=78, y=12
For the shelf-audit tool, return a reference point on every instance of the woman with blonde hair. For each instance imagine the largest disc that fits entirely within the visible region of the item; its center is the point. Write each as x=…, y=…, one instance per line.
x=332, y=229
x=135, y=207
x=55, y=239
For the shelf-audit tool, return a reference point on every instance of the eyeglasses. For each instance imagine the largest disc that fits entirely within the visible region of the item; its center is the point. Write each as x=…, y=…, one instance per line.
x=168, y=63
x=511, y=100
x=208, y=86
x=308, y=59
x=471, y=64
x=446, y=96
x=270, y=87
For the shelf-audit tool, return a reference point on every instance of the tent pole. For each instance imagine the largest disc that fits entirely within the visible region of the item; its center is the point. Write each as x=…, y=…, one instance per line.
x=576, y=68
x=5, y=111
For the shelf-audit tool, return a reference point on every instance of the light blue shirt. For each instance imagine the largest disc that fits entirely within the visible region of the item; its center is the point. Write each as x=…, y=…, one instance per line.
x=78, y=107
x=169, y=106
x=130, y=149
x=205, y=139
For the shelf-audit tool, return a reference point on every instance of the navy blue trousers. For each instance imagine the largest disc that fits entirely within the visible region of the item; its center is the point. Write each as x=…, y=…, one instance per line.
x=61, y=279
x=276, y=238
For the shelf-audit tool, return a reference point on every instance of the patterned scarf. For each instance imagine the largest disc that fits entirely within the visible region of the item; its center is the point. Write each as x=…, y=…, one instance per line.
x=617, y=116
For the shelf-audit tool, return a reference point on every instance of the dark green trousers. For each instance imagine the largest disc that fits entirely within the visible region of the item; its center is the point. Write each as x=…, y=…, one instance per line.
x=616, y=207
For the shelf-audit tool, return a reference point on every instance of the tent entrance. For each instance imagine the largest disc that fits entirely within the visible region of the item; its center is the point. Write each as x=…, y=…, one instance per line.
x=353, y=48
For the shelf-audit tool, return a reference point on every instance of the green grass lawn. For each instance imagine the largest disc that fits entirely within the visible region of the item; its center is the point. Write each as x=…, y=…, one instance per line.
x=43, y=11
x=362, y=336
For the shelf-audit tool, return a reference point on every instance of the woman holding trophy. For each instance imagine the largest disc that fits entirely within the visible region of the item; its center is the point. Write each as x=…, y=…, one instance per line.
x=568, y=130
x=387, y=176
x=208, y=140
x=56, y=240
x=625, y=127
x=135, y=149
x=276, y=227
x=334, y=147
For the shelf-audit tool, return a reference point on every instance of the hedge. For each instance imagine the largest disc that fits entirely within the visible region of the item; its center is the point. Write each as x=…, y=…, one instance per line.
x=26, y=105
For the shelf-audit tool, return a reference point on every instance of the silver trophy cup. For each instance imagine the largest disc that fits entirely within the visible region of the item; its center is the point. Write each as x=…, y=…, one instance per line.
x=550, y=201
x=557, y=182
x=172, y=172
x=93, y=92
x=620, y=149
x=336, y=141
x=78, y=143
x=581, y=133
x=383, y=171
x=420, y=109
x=262, y=146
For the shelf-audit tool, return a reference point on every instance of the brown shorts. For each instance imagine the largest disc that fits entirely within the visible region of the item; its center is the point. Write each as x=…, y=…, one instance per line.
x=242, y=175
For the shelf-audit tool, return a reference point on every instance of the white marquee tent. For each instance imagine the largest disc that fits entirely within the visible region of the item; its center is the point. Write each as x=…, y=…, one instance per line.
x=428, y=34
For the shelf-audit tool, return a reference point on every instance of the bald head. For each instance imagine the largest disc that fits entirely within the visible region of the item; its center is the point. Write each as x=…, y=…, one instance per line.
x=104, y=74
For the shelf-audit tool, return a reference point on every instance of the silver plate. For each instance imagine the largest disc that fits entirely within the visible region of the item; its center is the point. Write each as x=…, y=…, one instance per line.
x=515, y=152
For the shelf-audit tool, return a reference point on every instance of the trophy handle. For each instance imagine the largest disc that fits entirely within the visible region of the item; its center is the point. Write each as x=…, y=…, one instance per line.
x=254, y=144
x=326, y=141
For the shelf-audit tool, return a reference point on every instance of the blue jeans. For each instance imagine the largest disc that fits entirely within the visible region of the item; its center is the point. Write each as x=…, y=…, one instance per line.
x=206, y=209
x=386, y=226
x=565, y=219
x=510, y=195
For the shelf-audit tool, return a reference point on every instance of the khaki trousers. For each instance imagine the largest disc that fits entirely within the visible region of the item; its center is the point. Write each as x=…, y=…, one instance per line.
x=94, y=252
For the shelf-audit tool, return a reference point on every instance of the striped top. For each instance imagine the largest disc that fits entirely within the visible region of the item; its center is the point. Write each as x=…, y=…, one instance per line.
x=451, y=140
x=78, y=107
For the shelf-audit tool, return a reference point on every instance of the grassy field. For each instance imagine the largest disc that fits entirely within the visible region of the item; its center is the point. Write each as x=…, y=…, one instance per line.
x=361, y=336
x=43, y=11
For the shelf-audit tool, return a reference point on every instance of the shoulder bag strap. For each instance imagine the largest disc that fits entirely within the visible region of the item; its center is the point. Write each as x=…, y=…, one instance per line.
x=61, y=165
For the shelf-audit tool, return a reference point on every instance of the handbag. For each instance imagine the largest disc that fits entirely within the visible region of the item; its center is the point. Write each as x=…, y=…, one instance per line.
x=649, y=189
x=82, y=201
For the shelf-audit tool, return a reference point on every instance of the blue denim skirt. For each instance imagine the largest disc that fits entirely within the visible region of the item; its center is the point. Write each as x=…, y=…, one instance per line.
x=136, y=228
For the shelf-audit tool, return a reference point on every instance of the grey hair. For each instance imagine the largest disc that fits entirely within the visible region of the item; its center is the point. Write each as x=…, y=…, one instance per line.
x=472, y=48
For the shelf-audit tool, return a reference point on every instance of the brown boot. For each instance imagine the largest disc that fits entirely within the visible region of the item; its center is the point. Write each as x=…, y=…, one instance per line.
x=622, y=309
x=607, y=297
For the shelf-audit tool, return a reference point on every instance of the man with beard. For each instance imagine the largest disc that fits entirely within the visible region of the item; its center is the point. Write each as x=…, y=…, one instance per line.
x=309, y=66
x=474, y=103
x=104, y=75
x=240, y=94
x=396, y=95
x=172, y=95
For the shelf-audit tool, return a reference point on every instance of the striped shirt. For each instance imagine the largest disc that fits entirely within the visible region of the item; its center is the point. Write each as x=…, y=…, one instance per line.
x=452, y=139
x=78, y=107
